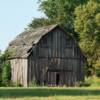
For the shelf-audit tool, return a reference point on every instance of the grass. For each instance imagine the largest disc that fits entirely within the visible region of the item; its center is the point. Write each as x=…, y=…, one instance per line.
x=53, y=93
x=49, y=93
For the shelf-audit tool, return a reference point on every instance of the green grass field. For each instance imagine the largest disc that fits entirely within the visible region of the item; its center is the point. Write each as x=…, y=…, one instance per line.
x=50, y=93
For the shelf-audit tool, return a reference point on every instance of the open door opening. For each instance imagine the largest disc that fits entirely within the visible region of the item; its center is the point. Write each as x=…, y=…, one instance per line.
x=57, y=79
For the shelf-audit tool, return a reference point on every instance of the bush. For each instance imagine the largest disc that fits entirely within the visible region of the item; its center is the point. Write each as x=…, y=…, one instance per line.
x=6, y=73
x=5, y=69
x=82, y=84
x=94, y=81
x=32, y=84
x=98, y=73
x=16, y=84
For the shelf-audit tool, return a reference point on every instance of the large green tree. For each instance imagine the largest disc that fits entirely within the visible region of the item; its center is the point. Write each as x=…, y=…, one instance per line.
x=57, y=12
x=87, y=24
x=61, y=11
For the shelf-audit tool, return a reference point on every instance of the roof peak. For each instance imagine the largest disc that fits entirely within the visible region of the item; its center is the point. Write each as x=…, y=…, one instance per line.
x=26, y=39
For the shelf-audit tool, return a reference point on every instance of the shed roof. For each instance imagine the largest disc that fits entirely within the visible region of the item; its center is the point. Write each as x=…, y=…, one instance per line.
x=24, y=41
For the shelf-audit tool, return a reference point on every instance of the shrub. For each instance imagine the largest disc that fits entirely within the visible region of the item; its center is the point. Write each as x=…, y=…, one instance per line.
x=94, y=81
x=98, y=72
x=5, y=69
x=82, y=84
x=32, y=84
x=6, y=73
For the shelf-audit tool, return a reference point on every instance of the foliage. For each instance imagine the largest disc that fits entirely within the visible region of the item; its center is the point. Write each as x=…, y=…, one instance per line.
x=61, y=11
x=98, y=73
x=39, y=22
x=89, y=70
x=82, y=84
x=87, y=24
x=94, y=81
x=0, y=70
x=32, y=84
x=16, y=84
x=6, y=75
x=57, y=12
x=6, y=70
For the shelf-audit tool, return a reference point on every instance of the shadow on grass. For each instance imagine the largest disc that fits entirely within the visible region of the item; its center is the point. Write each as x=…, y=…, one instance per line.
x=45, y=92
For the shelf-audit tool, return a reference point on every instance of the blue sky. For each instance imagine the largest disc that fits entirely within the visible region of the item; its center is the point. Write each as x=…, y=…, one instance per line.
x=14, y=17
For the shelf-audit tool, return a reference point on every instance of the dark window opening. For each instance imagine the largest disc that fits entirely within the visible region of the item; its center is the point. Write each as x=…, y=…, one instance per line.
x=68, y=43
x=44, y=43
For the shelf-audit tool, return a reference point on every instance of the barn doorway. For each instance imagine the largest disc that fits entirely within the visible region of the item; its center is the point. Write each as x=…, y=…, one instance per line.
x=57, y=79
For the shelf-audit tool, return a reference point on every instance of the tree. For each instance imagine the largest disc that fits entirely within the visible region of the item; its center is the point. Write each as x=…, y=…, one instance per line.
x=58, y=12
x=6, y=73
x=39, y=22
x=6, y=70
x=87, y=24
x=61, y=11
x=0, y=69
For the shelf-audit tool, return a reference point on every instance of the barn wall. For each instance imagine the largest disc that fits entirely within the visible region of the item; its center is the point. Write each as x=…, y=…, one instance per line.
x=56, y=53
x=31, y=69
x=19, y=71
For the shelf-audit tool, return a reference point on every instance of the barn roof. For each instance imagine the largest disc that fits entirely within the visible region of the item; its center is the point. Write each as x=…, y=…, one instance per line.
x=21, y=45
x=24, y=41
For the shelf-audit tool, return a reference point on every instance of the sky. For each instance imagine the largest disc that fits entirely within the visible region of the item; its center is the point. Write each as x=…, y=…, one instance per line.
x=15, y=15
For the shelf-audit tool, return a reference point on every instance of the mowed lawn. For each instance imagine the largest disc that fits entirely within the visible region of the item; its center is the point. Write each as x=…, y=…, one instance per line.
x=50, y=93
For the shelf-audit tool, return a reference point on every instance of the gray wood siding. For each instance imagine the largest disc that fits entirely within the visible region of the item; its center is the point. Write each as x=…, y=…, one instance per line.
x=56, y=53
x=19, y=71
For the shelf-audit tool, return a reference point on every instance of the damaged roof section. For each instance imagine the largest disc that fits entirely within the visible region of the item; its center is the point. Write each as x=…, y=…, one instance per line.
x=24, y=41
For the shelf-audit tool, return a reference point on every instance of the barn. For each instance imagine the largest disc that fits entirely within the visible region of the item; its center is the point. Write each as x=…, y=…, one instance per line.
x=48, y=56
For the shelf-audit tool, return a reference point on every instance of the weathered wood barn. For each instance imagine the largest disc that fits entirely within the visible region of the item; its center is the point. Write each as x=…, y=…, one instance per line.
x=48, y=56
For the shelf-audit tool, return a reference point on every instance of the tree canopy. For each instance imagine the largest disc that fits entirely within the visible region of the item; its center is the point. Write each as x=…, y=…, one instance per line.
x=61, y=11
x=58, y=12
x=87, y=24
x=39, y=22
